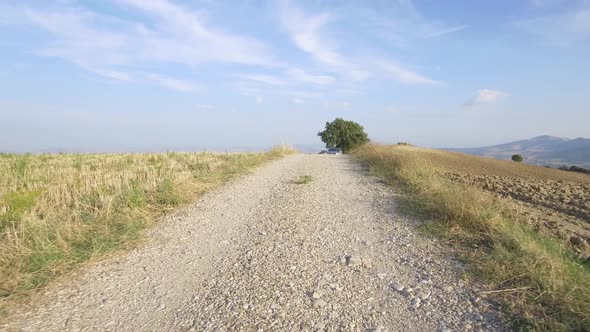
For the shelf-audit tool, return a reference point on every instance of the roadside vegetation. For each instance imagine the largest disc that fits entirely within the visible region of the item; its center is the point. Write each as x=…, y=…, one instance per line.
x=58, y=211
x=303, y=179
x=537, y=279
x=575, y=169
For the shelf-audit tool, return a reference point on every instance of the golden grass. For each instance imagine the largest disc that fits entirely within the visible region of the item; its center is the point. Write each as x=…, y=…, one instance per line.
x=536, y=278
x=464, y=163
x=60, y=210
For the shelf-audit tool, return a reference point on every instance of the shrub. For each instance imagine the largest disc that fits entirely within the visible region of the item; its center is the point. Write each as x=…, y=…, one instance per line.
x=575, y=169
x=518, y=158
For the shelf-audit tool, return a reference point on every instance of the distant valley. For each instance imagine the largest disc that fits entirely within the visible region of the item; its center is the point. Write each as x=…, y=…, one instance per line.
x=541, y=150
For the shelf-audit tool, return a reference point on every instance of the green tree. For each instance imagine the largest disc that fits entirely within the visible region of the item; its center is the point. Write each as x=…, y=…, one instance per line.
x=517, y=158
x=342, y=134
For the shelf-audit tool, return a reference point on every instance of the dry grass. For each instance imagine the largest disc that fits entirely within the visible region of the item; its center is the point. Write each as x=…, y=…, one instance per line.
x=464, y=163
x=60, y=210
x=539, y=281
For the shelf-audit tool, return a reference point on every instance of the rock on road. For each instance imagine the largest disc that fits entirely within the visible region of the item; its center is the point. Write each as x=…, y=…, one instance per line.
x=266, y=254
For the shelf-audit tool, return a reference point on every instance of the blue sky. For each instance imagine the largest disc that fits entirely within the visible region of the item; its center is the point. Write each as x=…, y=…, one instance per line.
x=119, y=75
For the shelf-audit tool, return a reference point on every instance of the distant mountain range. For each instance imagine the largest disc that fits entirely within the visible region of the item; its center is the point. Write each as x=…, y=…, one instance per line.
x=542, y=150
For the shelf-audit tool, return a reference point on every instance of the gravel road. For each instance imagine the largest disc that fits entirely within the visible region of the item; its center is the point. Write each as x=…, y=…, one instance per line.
x=266, y=254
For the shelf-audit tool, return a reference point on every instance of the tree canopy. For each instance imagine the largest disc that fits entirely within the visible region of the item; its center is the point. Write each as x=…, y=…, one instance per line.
x=343, y=134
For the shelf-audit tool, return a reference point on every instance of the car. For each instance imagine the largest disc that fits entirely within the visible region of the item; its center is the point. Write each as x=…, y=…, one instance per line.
x=334, y=151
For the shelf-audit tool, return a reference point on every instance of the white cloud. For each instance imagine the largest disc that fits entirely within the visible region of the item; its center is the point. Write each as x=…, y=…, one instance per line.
x=405, y=75
x=569, y=27
x=110, y=73
x=266, y=79
x=297, y=101
x=306, y=33
x=113, y=47
x=182, y=36
x=174, y=84
x=400, y=23
x=302, y=76
x=444, y=31
x=486, y=96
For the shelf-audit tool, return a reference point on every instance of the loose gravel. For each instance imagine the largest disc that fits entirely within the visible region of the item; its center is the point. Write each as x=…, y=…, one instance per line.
x=267, y=254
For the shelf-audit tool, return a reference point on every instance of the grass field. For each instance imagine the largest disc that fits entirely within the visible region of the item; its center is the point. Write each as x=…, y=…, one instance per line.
x=536, y=278
x=60, y=210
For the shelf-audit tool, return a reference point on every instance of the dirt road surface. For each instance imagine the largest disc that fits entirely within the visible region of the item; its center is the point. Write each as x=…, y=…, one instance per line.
x=267, y=254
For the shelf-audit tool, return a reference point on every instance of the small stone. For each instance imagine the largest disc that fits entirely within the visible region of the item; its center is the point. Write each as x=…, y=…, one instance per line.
x=316, y=295
x=335, y=287
x=381, y=275
x=447, y=289
x=423, y=295
x=305, y=327
x=397, y=287
x=379, y=328
x=415, y=302
x=355, y=261
x=275, y=306
x=407, y=294
x=319, y=303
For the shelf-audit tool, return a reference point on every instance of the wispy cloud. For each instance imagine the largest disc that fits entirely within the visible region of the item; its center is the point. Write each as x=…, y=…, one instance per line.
x=306, y=30
x=181, y=35
x=114, y=48
x=262, y=78
x=145, y=42
x=174, y=84
x=302, y=76
x=443, y=31
x=405, y=75
x=570, y=27
x=400, y=23
x=486, y=96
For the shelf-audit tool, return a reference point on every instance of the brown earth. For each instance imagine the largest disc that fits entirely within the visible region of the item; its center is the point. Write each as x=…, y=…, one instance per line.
x=560, y=207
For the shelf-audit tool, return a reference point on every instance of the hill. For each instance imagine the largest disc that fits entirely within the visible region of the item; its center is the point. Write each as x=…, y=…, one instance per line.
x=540, y=150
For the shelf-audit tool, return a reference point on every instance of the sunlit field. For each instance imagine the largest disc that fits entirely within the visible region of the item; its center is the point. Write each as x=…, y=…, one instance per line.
x=60, y=210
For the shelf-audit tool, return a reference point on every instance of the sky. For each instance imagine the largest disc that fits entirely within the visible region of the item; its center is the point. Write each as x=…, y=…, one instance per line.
x=130, y=75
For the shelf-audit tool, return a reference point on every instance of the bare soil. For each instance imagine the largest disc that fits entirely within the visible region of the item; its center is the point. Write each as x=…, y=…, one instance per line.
x=559, y=207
